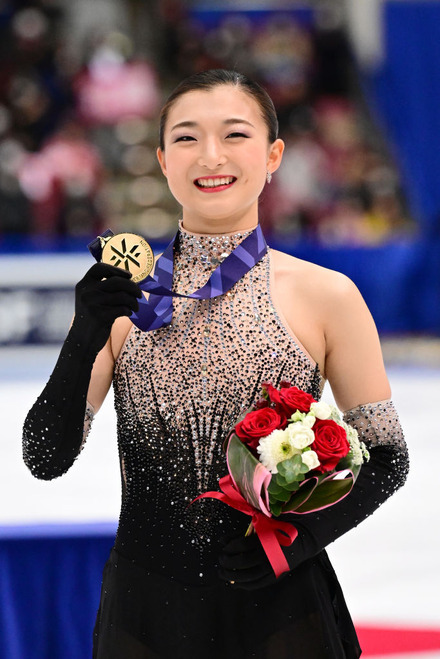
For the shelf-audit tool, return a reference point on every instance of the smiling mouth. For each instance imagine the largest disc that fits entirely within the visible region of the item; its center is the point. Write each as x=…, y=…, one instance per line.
x=215, y=182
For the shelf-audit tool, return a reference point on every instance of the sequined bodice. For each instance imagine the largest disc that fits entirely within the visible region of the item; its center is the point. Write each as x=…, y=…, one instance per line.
x=178, y=391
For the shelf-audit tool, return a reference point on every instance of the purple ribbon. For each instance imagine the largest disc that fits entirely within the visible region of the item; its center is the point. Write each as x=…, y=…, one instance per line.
x=157, y=311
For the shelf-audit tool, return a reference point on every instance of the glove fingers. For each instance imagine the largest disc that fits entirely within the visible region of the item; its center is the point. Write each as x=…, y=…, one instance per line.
x=120, y=299
x=241, y=560
x=95, y=301
x=247, y=575
x=244, y=564
x=113, y=285
x=242, y=544
x=107, y=316
x=122, y=311
x=116, y=284
x=265, y=581
x=100, y=271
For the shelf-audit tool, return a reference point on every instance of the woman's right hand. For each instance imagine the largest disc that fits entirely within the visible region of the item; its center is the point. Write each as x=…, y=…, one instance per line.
x=103, y=294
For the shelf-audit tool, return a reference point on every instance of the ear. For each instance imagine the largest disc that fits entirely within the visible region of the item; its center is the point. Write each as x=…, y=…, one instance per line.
x=275, y=155
x=161, y=158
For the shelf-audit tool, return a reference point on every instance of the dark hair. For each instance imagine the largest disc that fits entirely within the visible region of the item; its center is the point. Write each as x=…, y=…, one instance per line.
x=207, y=80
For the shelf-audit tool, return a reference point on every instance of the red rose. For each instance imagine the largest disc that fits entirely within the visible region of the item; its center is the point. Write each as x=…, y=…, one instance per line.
x=272, y=393
x=258, y=424
x=292, y=399
x=331, y=444
x=288, y=399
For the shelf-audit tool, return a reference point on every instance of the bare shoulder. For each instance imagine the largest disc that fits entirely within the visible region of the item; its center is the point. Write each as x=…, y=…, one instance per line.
x=313, y=281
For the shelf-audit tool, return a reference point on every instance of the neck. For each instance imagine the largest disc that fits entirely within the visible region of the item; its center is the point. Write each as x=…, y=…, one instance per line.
x=218, y=226
x=213, y=234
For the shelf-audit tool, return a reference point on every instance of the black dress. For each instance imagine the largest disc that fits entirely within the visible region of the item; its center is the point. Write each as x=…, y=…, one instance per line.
x=178, y=391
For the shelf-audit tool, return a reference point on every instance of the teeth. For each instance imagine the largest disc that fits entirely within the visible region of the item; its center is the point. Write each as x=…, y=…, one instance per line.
x=214, y=182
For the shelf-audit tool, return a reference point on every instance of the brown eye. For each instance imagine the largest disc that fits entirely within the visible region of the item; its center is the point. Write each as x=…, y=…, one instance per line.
x=185, y=138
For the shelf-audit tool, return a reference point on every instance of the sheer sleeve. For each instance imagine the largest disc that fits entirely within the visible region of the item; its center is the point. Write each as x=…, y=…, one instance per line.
x=377, y=424
x=379, y=427
x=88, y=420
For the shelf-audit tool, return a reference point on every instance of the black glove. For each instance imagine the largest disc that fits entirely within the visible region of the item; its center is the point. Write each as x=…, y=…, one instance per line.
x=53, y=429
x=104, y=294
x=243, y=562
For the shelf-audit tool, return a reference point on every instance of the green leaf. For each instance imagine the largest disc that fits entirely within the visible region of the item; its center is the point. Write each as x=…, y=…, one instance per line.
x=273, y=501
x=276, y=509
x=291, y=468
x=298, y=498
x=283, y=495
x=247, y=471
x=274, y=488
x=294, y=485
x=280, y=480
x=326, y=494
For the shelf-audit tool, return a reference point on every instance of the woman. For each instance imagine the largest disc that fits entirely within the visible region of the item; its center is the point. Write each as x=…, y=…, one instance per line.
x=183, y=581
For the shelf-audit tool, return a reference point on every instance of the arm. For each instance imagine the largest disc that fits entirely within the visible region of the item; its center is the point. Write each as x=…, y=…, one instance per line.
x=355, y=369
x=55, y=427
x=353, y=358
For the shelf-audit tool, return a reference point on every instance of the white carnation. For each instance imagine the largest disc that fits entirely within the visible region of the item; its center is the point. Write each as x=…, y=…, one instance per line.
x=275, y=448
x=321, y=410
x=300, y=435
x=310, y=459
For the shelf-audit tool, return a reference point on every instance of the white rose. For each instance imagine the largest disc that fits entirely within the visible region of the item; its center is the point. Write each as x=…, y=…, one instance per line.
x=321, y=410
x=300, y=435
x=309, y=420
x=310, y=459
x=275, y=448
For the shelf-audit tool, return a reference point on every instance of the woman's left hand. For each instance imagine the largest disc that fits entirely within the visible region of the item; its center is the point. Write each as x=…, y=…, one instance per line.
x=244, y=564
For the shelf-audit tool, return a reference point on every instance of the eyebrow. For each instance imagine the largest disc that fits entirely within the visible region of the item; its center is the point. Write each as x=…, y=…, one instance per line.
x=226, y=122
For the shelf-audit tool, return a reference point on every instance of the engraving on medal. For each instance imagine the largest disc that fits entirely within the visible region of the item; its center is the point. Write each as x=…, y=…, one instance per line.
x=129, y=252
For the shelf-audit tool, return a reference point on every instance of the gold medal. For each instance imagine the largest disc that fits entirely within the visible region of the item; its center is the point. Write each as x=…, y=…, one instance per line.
x=129, y=252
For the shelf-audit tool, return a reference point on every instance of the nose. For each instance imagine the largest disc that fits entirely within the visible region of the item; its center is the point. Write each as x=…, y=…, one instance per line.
x=212, y=153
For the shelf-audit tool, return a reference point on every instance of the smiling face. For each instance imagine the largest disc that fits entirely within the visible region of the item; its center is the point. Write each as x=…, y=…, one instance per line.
x=216, y=157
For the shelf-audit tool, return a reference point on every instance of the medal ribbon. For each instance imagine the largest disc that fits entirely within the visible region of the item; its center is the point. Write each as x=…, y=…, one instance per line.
x=157, y=311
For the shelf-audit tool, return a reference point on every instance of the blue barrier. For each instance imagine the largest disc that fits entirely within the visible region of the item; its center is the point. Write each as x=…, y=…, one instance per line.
x=49, y=590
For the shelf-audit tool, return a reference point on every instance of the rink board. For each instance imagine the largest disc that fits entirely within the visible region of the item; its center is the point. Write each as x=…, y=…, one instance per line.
x=55, y=536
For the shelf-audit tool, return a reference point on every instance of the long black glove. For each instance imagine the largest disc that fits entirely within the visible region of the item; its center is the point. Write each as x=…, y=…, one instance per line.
x=243, y=562
x=53, y=429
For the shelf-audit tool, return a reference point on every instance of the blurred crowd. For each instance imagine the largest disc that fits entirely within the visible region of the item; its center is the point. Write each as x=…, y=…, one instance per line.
x=78, y=120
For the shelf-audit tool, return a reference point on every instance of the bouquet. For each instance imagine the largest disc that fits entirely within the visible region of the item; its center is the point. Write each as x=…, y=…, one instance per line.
x=288, y=454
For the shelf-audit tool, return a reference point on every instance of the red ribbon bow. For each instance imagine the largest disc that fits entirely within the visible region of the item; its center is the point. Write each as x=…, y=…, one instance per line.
x=272, y=533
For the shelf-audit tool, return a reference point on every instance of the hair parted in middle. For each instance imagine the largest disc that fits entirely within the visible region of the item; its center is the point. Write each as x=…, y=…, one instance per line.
x=208, y=80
